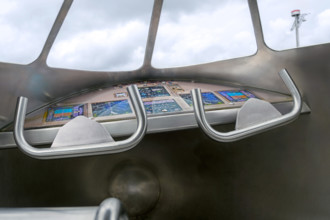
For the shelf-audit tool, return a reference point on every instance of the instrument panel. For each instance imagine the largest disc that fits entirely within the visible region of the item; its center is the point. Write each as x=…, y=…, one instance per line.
x=159, y=98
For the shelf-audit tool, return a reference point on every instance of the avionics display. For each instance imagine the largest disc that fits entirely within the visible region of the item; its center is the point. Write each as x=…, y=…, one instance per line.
x=161, y=106
x=111, y=108
x=237, y=95
x=62, y=113
x=208, y=99
x=153, y=91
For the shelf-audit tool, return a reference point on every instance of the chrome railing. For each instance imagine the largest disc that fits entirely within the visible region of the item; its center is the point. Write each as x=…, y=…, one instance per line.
x=252, y=130
x=81, y=150
x=109, y=209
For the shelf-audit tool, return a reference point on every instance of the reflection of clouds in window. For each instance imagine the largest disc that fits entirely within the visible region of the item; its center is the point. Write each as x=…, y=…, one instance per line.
x=103, y=35
x=203, y=31
x=24, y=27
x=276, y=22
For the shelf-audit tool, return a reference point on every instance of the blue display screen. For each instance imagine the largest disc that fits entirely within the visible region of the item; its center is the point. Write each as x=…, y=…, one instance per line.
x=237, y=95
x=111, y=108
x=208, y=99
x=64, y=113
x=161, y=106
x=153, y=91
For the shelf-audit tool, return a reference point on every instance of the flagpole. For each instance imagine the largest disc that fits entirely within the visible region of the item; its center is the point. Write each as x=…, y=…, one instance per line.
x=296, y=15
x=297, y=31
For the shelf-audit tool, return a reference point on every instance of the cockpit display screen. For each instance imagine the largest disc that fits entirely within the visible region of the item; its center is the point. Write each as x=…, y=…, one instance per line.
x=208, y=99
x=153, y=91
x=162, y=106
x=62, y=113
x=237, y=95
x=111, y=108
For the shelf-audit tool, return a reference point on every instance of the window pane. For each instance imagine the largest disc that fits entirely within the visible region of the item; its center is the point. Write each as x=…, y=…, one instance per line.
x=103, y=35
x=194, y=32
x=276, y=22
x=24, y=27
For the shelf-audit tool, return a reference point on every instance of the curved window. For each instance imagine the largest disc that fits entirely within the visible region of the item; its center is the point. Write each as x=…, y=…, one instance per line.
x=24, y=28
x=103, y=35
x=277, y=22
x=195, y=32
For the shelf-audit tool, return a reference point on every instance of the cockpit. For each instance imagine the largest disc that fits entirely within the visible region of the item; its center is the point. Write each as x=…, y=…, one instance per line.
x=164, y=110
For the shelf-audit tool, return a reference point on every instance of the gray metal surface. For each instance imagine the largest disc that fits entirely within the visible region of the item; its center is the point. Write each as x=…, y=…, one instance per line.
x=280, y=174
x=251, y=130
x=82, y=150
x=136, y=186
x=68, y=213
x=109, y=209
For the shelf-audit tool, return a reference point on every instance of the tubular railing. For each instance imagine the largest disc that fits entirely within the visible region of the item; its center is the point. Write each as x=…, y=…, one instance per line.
x=252, y=130
x=81, y=150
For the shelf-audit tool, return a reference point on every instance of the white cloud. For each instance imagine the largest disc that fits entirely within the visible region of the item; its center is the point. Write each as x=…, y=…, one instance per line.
x=280, y=24
x=102, y=49
x=276, y=22
x=324, y=18
x=205, y=35
x=24, y=27
x=103, y=36
x=319, y=31
x=323, y=21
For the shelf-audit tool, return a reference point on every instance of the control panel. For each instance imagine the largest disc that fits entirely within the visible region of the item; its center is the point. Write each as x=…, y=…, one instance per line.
x=159, y=98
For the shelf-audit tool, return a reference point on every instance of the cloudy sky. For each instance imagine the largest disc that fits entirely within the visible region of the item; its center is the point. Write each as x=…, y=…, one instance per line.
x=107, y=35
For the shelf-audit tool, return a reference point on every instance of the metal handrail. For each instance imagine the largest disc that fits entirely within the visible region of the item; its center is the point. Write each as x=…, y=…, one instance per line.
x=111, y=209
x=252, y=130
x=81, y=150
